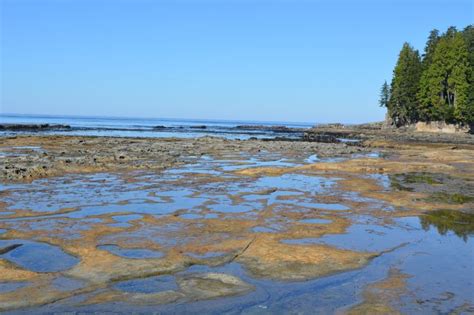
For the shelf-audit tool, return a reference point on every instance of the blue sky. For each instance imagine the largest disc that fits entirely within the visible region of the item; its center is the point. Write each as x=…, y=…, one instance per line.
x=307, y=61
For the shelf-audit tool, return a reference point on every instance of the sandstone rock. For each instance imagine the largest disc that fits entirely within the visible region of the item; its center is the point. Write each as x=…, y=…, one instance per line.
x=212, y=285
x=441, y=126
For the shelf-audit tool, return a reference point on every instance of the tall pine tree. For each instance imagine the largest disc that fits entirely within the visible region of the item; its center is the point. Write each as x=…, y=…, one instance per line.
x=468, y=35
x=430, y=47
x=444, y=84
x=425, y=108
x=402, y=105
x=384, y=95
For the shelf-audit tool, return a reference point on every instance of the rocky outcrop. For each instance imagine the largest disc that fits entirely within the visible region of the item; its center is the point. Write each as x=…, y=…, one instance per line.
x=320, y=137
x=27, y=157
x=421, y=132
x=33, y=127
x=441, y=126
x=268, y=128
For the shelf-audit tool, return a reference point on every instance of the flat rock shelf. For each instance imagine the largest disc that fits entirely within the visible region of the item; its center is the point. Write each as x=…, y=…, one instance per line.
x=212, y=225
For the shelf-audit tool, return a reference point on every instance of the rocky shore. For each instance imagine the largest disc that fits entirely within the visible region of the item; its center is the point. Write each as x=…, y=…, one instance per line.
x=27, y=157
x=209, y=218
x=333, y=132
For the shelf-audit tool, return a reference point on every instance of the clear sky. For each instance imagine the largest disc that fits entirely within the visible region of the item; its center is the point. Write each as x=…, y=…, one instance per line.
x=307, y=61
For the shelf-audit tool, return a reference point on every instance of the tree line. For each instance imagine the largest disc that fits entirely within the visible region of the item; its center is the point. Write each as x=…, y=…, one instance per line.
x=436, y=86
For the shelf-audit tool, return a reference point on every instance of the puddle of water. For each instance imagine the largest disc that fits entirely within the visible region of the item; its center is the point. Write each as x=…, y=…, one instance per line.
x=179, y=202
x=382, y=179
x=437, y=257
x=256, y=162
x=191, y=216
x=264, y=229
x=12, y=286
x=167, y=235
x=329, y=206
x=375, y=238
x=11, y=154
x=59, y=227
x=133, y=253
x=51, y=195
x=190, y=170
x=446, y=221
x=306, y=183
x=148, y=285
x=272, y=196
x=362, y=237
x=230, y=208
x=374, y=155
x=38, y=257
x=312, y=159
x=318, y=205
x=124, y=219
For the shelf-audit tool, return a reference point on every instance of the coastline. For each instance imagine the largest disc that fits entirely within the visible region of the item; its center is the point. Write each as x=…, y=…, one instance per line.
x=52, y=155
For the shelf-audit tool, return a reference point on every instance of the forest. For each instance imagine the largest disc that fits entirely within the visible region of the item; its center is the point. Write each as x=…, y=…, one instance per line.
x=435, y=86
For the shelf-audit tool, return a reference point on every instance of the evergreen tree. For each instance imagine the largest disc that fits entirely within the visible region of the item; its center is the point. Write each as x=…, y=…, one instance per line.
x=444, y=84
x=425, y=109
x=384, y=95
x=430, y=46
x=451, y=32
x=468, y=35
x=402, y=105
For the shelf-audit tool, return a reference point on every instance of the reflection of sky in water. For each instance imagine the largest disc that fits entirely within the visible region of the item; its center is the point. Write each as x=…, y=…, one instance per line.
x=435, y=263
x=104, y=193
x=265, y=229
x=308, y=184
x=38, y=257
x=12, y=286
x=124, y=219
x=75, y=191
x=230, y=208
x=63, y=228
x=373, y=237
x=382, y=179
x=148, y=285
x=428, y=257
x=164, y=235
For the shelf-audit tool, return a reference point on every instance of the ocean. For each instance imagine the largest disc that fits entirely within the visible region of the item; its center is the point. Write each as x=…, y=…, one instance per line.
x=156, y=127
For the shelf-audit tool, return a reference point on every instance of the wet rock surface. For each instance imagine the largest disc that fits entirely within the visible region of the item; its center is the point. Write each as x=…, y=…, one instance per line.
x=270, y=128
x=33, y=127
x=212, y=285
x=167, y=225
x=378, y=131
x=30, y=157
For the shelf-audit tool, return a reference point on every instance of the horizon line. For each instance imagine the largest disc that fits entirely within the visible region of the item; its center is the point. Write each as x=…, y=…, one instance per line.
x=159, y=118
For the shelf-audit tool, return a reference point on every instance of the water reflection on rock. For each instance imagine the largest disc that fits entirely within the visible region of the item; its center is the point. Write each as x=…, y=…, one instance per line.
x=228, y=227
x=460, y=223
